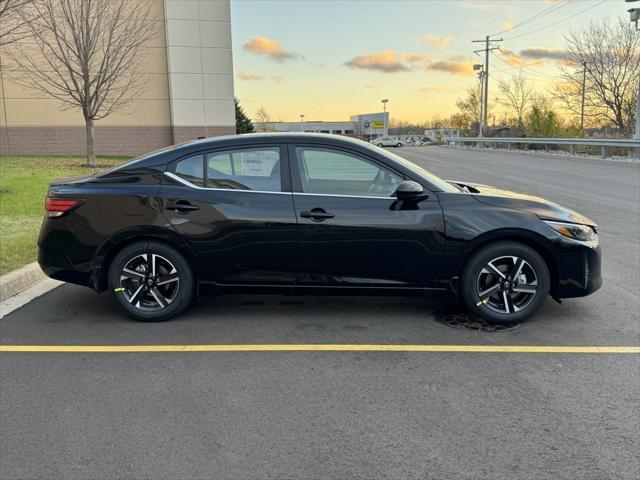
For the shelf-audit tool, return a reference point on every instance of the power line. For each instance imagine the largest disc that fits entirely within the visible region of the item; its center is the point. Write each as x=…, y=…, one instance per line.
x=535, y=17
x=558, y=22
x=525, y=67
x=511, y=75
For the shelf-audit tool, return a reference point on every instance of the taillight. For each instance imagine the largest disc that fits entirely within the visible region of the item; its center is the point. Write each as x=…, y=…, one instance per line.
x=56, y=207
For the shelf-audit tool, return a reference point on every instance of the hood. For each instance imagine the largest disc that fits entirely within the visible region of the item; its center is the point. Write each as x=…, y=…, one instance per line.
x=544, y=209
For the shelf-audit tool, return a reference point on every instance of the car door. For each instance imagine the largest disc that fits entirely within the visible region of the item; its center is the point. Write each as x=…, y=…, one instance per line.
x=234, y=208
x=353, y=231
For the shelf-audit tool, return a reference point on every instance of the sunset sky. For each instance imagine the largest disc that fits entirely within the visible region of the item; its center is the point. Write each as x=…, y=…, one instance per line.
x=330, y=59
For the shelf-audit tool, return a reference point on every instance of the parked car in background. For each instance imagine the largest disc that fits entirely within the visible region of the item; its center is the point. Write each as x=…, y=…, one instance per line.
x=425, y=141
x=387, y=142
x=308, y=214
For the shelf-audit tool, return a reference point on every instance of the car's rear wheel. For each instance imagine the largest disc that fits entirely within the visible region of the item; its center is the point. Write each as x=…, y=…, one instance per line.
x=380, y=145
x=151, y=281
x=398, y=145
x=505, y=282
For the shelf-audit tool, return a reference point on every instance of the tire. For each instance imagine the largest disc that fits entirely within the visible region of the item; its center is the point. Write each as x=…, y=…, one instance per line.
x=398, y=145
x=380, y=145
x=158, y=282
x=504, y=297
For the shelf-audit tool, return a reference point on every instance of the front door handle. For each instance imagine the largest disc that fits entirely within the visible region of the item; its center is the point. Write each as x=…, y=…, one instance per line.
x=317, y=214
x=181, y=206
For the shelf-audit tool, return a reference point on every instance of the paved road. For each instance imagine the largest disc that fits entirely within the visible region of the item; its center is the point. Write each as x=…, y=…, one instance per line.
x=258, y=415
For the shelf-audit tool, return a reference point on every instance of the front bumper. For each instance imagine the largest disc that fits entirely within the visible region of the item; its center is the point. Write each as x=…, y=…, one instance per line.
x=579, y=271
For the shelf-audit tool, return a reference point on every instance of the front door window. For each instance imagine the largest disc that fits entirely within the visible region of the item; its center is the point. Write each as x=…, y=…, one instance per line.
x=325, y=171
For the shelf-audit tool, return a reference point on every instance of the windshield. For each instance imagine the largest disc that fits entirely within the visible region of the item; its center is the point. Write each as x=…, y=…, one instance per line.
x=437, y=182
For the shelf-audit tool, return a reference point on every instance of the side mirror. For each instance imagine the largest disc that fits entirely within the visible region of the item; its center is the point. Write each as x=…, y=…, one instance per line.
x=409, y=190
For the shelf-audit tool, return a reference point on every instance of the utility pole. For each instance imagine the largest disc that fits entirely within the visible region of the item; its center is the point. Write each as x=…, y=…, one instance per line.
x=584, y=83
x=637, y=135
x=302, y=122
x=485, y=90
x=634, y=15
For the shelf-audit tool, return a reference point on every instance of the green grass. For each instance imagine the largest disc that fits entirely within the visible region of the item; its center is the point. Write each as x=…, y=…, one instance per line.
x=23, y=187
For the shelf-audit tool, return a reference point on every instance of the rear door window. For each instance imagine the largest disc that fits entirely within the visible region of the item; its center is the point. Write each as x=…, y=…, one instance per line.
x=245, y=169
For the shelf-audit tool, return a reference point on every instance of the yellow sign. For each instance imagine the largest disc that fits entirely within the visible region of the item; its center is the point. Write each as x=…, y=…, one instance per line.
x=377, y=124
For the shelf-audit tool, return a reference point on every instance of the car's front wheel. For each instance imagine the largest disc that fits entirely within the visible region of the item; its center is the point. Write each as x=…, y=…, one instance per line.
x=151, y=281
x=505, y=282
x=398, y=145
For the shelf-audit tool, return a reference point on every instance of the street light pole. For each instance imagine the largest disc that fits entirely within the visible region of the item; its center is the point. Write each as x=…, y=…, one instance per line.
x=302, y=122
x=384, y=118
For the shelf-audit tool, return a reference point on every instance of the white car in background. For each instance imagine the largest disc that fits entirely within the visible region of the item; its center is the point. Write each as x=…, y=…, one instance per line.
x=387, y=142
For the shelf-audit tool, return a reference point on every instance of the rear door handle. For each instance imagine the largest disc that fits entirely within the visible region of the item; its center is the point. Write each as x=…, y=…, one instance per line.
x=181, y=206
x=317, y=214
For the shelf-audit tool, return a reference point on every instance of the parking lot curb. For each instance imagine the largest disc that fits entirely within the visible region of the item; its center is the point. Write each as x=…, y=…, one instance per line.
x=18, y=280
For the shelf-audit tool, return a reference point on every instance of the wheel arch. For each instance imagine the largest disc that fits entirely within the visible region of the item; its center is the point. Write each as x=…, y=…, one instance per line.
x=531, y=239
x=107, y=251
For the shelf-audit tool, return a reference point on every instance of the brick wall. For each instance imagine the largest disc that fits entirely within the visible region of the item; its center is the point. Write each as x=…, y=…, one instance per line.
x=120, y=140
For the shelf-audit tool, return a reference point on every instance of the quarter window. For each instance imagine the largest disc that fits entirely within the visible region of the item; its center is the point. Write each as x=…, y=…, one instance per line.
x=325, y=171
x=192, y=169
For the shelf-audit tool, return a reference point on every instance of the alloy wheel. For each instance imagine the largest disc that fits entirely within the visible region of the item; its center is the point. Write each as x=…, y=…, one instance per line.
x=149, y=282
x=507, y=284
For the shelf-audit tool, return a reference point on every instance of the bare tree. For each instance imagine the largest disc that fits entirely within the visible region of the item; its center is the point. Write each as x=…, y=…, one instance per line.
x=516, y=94
x=14, y=20
x=608, y=55
x=87, y=55
x=263, y=119
x=471, y=105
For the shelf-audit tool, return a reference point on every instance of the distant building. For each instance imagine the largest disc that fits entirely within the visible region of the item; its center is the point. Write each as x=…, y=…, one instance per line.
x=364, y=125
x=439, y=133
x=189, y=93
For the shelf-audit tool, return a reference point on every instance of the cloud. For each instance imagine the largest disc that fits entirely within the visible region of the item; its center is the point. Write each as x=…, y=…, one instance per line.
x=248, y=76
x=277, y=78
x=512, y=57
x=368, y=86
x=270, y=49
x=544, y=53
x=454, y=67
x=438, y=41
x=507, y=25
x=413, y=57
x=388, y=62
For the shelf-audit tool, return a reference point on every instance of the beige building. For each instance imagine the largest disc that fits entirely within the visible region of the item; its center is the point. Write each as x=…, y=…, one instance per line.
x=189, y=93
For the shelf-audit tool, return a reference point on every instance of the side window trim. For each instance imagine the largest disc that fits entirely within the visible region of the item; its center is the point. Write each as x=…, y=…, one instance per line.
x=285, y=175
x=296, y=175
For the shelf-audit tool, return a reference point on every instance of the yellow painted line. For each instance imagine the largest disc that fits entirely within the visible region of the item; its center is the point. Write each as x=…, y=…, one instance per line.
x=320, y=348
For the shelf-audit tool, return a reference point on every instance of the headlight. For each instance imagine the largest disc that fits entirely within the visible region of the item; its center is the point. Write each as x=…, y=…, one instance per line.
x=582, y=233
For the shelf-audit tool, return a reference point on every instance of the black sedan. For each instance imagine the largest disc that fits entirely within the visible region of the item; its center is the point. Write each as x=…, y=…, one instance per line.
x=309, y=214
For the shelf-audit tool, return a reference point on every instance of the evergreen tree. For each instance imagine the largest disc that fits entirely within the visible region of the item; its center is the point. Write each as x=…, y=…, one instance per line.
x=243, y=123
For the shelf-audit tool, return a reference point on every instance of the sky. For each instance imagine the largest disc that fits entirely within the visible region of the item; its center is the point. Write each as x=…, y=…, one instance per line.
x=330, y=59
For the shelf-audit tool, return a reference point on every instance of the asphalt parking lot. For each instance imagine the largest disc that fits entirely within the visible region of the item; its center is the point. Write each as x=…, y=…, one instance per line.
x=343, y=414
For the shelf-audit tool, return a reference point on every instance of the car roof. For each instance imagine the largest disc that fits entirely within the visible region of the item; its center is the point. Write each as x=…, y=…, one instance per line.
x=275, y=136
x=166, y=154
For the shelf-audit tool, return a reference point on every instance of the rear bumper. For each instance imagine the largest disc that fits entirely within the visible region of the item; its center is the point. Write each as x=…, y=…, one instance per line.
x=62, y=257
